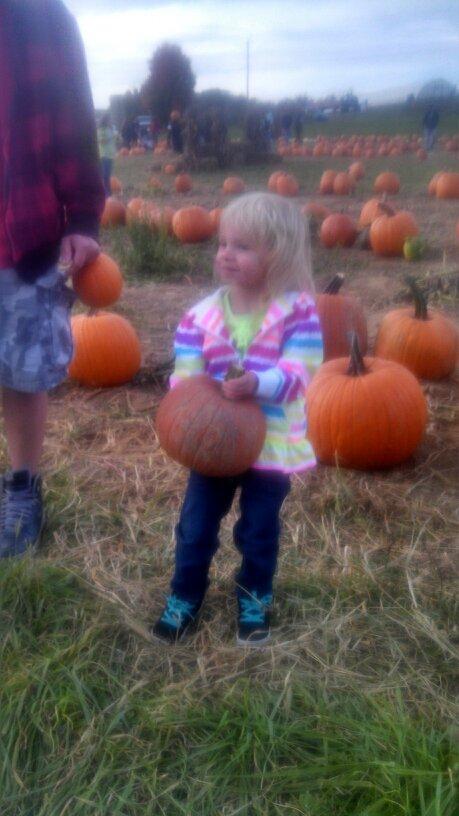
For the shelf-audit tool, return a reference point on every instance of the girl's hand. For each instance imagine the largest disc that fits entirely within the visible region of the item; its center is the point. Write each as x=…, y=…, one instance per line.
x=241, y=387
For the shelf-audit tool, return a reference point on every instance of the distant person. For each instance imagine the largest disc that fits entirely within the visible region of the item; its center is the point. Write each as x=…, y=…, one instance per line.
x=51, y=199
x=298, y=126
x=106, y=138
x=154, y=131
x=129, y=133
x=176, y=133
x=430, y=124
x=263, y=319
x=286, y=125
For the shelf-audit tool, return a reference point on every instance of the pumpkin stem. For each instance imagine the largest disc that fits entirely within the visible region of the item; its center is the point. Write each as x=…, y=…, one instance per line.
x=386, y=209
x=335, y=285
x=356, y=363
x=420, y=301
x=234, y=372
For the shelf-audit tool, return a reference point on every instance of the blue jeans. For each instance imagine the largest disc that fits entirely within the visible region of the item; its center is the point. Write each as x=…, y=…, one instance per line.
x=256, y=533
x=106, y=167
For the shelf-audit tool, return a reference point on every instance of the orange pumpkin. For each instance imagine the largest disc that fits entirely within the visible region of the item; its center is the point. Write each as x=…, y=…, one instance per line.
x=192, y=224
x=326, y=182
x=115, y=185
x=198, y=427
x=421, y=339
x=389, y=231
x=432, y=188
x=106, y=350
x=343, y=184
x=155, y=184
x=272, y=181
x=369, y=212
x=170, y=169
x=215, y=216
x=287, y=185
x=365, y=413
x=99, y=283
x=387, y=183
x=233, y=185
x=114, y=214
x=160, y=219
x=448, y=186
x=124, y=151
x=133, y=210
x=338, y=229
x=183, y=183
x=340, y=314
x=356, y=169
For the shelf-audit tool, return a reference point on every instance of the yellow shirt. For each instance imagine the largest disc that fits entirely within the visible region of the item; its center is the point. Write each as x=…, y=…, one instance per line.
x=242, y=327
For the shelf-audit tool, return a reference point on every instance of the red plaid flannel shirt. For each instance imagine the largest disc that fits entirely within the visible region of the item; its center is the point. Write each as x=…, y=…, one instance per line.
x=49, y=171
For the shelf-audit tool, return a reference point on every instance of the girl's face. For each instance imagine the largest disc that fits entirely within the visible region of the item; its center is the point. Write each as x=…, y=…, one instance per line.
x=239, y=263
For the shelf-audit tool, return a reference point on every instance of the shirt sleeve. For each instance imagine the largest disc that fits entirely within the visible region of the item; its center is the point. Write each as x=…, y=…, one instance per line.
x=76, y=161
x=302, y=353
x=188, y=345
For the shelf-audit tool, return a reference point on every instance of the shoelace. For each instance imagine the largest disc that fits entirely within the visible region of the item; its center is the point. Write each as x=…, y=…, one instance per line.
x=254, y=609
x=176, y=610
x=15, y=509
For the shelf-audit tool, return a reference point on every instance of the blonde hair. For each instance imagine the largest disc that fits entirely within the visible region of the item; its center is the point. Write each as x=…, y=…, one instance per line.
x=275, y=224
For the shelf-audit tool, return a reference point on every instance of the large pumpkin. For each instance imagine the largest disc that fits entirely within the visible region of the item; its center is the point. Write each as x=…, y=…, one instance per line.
x=198, y=427
x=192, y=224
x=114, y=214
x=365, y=413
x=421, y=339
x=106, y=350
x=387, y=183
x=390, y=230
x=448, y=186
x=99, y=283
x=338, y=229
x=339, y=315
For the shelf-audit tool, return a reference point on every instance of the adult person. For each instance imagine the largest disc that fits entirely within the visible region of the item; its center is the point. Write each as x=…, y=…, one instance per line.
x=106, y=137
x=51, y=198
x=430, y=124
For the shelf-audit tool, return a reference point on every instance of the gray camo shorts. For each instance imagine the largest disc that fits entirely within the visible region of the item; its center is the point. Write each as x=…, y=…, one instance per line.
x=35, y=337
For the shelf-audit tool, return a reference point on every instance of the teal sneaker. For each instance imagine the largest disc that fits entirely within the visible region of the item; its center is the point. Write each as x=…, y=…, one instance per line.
x=176, y=618
x=21, y=514
x=254, y=619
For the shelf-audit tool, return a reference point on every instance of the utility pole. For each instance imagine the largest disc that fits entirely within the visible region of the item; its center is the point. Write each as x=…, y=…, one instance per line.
x=247, y=62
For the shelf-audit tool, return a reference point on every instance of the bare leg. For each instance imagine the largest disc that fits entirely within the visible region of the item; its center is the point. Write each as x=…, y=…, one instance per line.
x=24, y=417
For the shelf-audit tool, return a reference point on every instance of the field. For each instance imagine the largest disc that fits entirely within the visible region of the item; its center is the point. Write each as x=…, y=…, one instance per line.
x=350, y=710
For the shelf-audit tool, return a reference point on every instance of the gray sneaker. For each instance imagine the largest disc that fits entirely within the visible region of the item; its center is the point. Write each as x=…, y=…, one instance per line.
x=21, y=514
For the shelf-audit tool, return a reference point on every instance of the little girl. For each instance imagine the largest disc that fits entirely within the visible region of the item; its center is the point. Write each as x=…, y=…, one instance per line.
x=263, y=319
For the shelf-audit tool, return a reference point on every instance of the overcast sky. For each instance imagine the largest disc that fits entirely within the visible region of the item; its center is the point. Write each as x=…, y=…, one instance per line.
x=380, y=49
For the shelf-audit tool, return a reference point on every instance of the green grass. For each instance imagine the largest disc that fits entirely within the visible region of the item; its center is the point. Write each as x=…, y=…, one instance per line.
x=89, y=729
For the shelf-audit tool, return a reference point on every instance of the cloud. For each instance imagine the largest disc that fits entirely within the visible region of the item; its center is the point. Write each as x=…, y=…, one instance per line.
x=297, y=46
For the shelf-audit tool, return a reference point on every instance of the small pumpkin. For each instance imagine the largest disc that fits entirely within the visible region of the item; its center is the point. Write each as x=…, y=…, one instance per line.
x=170, y=169
x=114, y=214
x=339, y=315
x=365, y=412
x=370, y=211
x=343, y=184
x=99, y=283
x=134, y=209
x=272, y=181
x=390, y=230
x=447, y=186
x=423, y=340
x=183, y=183
x=338, y=229
x=233, y=185
x=106, y=350
x=387, y=183
x=155, y=184
x=198, y=427
x=432, y=187
x=115, y=185
x=192, y=225
x=356, y=169
x=315, y=211
x=326, y=182
x=287, y=185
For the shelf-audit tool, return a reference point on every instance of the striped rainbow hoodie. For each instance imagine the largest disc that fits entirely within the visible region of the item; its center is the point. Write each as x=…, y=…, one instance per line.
x=284, y=354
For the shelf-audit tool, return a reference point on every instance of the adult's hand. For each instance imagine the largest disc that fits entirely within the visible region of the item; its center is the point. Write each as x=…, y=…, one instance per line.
x=76, y=252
